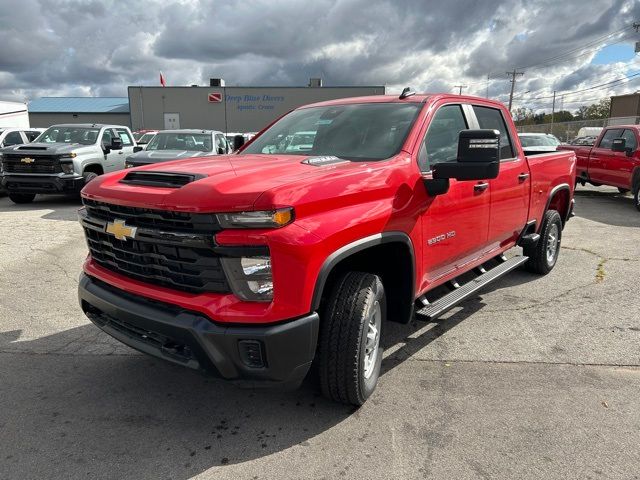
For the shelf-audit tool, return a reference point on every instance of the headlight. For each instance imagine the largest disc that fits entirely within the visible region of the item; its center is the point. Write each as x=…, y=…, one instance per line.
x=128, y=165
x=265, y=219
x=67, y=167
x=250, y=277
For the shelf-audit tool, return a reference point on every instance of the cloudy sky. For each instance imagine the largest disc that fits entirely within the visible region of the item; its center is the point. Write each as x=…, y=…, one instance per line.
x=98, y=48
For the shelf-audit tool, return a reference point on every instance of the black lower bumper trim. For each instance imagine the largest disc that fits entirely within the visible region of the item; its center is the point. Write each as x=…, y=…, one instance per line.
x=41, y=184
x=274, y=355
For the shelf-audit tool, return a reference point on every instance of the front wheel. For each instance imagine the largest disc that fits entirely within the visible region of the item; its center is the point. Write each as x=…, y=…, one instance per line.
x=636, y=197
x=544, y=255
x=22, y=197
x=349, y=355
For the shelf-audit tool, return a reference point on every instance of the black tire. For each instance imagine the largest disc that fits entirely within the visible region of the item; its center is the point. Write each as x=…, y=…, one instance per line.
x=544, y=255
x=88, y=176
x=636, y=196
x=356, y=298
x=623, y=191
x=22, y=197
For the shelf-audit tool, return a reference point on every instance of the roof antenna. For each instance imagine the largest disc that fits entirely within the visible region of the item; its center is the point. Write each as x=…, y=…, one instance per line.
x=407, y=92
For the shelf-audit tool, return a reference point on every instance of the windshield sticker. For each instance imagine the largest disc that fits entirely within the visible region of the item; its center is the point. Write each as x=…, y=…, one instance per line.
x=324, y=160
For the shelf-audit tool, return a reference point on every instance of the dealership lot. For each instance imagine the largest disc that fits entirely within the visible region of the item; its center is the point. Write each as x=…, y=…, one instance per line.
x=537, y=377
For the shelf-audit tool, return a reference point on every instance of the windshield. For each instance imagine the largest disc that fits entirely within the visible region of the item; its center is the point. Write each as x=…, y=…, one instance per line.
x=196, y=142
x=369, y=131
x=82, y=135
x=539, y=141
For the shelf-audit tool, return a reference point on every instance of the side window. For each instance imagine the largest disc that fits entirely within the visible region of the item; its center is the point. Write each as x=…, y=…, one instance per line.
x=13, y=138
x=106, y=137
x=441, y=141
x=609, y=136
x=124, y=136
x=630, y=138
x=221, y=144
x=31, y=135
x=491, y=118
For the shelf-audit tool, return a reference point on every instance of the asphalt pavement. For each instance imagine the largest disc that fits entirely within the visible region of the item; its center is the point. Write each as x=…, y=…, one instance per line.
x=536, y=377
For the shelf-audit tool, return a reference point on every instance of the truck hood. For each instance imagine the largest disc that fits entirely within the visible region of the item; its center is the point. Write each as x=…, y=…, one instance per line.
x=223, y=182
x=156, y=156
x=49, y=148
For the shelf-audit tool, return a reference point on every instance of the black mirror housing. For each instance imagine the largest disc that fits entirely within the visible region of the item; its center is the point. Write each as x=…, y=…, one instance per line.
x=478, y=157
x=116, y=143
x=238, y=142
x=619, y=145
x=138, y=148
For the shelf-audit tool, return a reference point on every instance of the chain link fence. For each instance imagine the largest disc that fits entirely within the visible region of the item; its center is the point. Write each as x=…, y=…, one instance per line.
x=567, y=131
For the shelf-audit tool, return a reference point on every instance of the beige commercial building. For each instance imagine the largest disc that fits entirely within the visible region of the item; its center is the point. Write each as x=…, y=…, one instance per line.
x=228, y=109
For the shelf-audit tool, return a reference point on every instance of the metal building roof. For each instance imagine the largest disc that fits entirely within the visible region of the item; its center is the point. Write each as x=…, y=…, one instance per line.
x=79, y=105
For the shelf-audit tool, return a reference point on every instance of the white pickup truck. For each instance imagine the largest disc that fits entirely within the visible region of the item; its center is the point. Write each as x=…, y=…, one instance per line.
x=63, y=159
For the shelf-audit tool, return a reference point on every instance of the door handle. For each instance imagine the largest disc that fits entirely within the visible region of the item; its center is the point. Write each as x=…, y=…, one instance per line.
x=481, y=187
x=120, y=153
x=523, y=176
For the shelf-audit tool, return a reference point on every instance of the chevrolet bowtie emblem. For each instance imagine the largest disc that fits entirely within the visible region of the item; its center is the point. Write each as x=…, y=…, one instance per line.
x=118, y=229
x=27, y=160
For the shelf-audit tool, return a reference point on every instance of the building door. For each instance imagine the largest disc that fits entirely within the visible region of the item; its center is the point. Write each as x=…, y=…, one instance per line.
x=171, y=121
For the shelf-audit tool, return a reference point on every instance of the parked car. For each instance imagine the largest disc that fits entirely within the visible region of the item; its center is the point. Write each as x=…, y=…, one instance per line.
x=63, y=159
x=137, y=135
x=146, y=137
x=15, y=136
x=589, y=132
x=614, y=160
x=10, y=136
x=257, y=265
x=538, y=142
x=170, y=145
x=588, y=140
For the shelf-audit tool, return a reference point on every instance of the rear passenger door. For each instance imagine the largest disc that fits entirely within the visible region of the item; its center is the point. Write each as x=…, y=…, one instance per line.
x=510, y=190
x=454, y=224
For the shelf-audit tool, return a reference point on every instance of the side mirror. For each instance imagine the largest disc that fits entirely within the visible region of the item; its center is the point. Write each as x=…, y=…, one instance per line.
x=619, y=144
x=238, y=142
x=628, y=151
x=478, y=157
x=138, y=148
x=116, y=143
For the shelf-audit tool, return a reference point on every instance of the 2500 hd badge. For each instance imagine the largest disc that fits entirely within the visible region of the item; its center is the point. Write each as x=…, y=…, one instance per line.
x=440, y=238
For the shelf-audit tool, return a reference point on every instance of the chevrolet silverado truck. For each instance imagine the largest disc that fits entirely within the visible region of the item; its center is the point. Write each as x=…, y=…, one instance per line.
x=257, y=265
x=613, y=160
x=63, y=159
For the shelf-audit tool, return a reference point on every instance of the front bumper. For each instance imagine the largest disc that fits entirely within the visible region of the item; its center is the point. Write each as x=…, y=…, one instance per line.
x=273, y=355
x=34, y=183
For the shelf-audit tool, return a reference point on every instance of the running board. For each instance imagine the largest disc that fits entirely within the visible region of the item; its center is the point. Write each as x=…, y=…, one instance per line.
x=442, y=305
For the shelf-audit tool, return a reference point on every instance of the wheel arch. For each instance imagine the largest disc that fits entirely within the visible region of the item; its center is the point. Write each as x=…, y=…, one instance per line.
x=559, y=200
x=635, y=179
x=389, y=255
x=93, y=167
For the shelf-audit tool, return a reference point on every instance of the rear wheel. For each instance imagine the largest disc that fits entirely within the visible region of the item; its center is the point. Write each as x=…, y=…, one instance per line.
x=544, y=255
x=350, y=355
x=22, y=197
x=636, y=196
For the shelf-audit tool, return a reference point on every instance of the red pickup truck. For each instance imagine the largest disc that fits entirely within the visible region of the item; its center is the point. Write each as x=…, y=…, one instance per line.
x=255, y=265
x=613, y=160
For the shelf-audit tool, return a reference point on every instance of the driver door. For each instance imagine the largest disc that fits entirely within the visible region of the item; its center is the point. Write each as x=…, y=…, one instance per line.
x=455, y=225
x=112, y=158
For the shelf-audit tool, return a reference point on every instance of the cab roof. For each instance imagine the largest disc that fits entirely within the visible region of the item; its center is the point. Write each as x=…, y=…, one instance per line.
x=416, y=98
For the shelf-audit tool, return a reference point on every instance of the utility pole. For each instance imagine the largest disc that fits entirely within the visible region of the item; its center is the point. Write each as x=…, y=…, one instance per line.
x=488, y=75
x=513, y=74
x=460, y=87
x=553, y=110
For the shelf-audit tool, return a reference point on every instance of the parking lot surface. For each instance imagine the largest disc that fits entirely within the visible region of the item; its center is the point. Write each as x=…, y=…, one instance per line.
x=537, y=377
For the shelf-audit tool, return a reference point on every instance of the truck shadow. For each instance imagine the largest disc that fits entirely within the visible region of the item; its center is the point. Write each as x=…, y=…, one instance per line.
x=102, y=409
x=607, y=206
x=54, y=207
